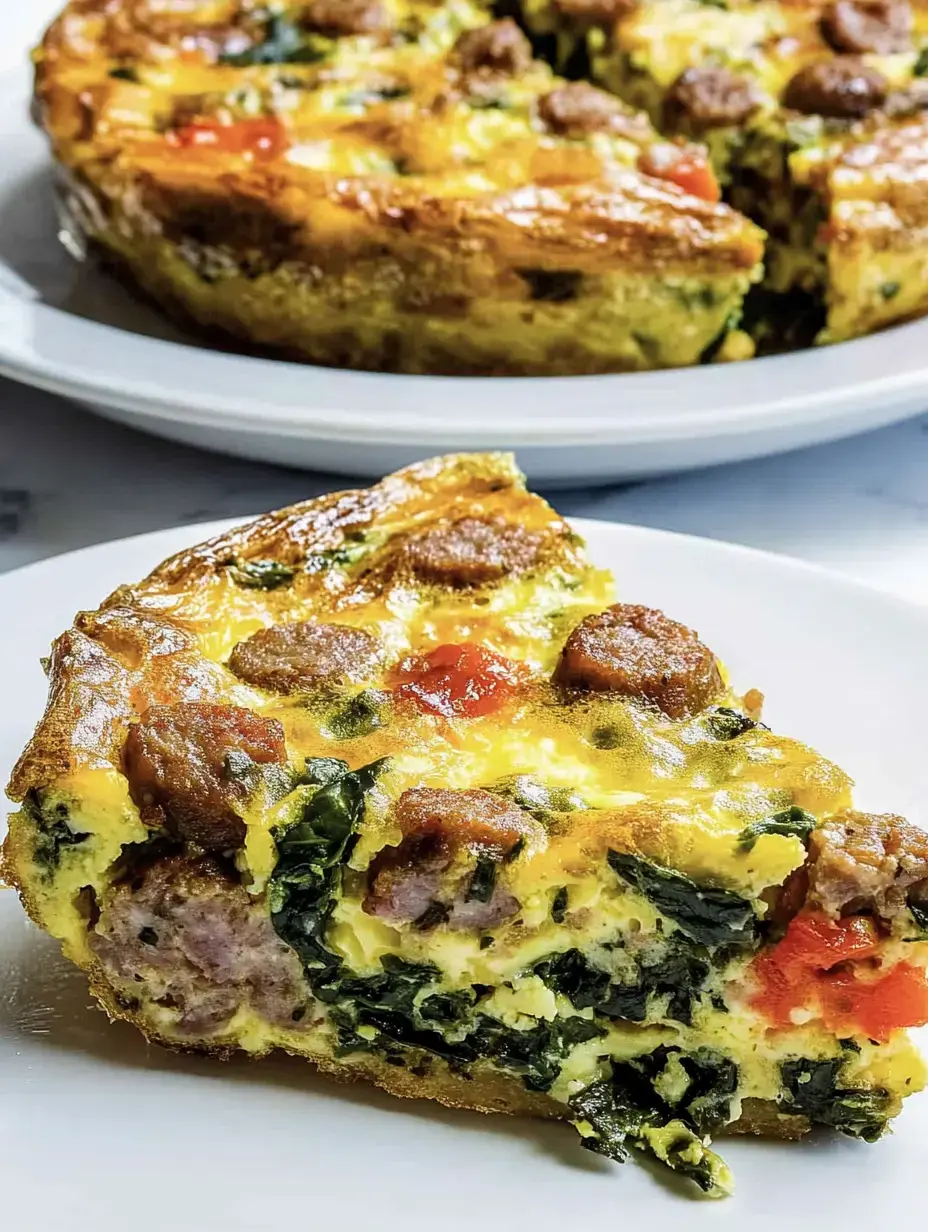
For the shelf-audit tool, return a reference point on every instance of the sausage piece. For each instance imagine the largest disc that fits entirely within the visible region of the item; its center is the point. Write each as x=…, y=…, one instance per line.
x=866, y=861
x=345, y=17
x=602, y=13
x=192, y=936
x=639, y=652
x=842, y=88
x=499, y=49
x=425, y=881
x=710, y=97
x=472, y=552
x=298, y=657
x=577, y=109
x=879, y=27
x=185, y=768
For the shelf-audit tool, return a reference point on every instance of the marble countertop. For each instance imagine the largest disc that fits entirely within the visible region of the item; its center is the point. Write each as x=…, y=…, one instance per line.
x=68, y=479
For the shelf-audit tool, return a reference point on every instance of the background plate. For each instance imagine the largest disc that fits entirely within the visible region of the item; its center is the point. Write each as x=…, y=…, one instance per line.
x=99, y=1132
x=74, y=331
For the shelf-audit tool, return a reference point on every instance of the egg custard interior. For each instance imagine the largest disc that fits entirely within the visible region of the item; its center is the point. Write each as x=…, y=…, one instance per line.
x=389, y=781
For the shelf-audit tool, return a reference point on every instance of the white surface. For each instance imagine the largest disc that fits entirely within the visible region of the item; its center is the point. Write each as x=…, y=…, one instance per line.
x=57, y=331
x=99, y=1131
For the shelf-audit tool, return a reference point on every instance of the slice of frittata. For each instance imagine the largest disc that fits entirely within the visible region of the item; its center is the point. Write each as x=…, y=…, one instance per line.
x=389, y=781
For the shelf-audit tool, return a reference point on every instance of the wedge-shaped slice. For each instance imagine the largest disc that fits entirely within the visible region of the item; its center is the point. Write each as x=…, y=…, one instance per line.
x=814, y=116
x=387, y=780
x=403, y=188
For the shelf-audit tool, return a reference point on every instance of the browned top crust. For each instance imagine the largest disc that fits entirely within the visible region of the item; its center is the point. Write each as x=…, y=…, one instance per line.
x=142, y=647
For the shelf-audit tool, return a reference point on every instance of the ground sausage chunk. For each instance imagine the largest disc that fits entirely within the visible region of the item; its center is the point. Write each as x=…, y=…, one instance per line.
x=188, y=768
x=710, y=97
x=187, y=935
x=578, y=109
x=879, y=27
x=639, y=652
x=472, y=552
x=429, y=878
x=499, y=49
x=867, y=862
x=841, y=88
x=345, y=17
x=603, y=13
x=302, y=656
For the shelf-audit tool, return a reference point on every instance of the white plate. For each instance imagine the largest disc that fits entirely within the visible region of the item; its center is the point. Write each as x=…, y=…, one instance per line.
x=99, y=1133
x=75, y=332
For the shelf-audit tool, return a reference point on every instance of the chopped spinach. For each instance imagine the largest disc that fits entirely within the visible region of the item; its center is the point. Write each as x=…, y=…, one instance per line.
x=283, y=42
x=349, y=552
x=709, y=915
x=812, y=1086
x=793, y=822
x=554, y=286
x=148, y=936
x=124, y=73
x=605, y=737
x=53, y=832
x=362, y=714
x=559, y=905
x=537, y=1054
x=259, y=574
x=320, y=771
x=483, y=881
x=625, y=1111
x=889, y=290
x=679, y=973
x=723, y=723
x=920, y=68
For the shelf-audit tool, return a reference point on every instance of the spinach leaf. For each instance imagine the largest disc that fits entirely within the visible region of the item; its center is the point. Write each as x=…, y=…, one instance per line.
x=625, y=1111
x=713, y=1083
x=889, y=290
x=724, y=723
x=920, y=68
x=793, y=822
x=368, y=97
x=708, y=915
x=919, y=913
x=559, y=905
x=812, y=1086
x=483, y=881
x=680, y=973
x=310, y=854
x=363, y=714
x=124, y=73
x=283, y=42
x=53, y=833
x=536, y=1055
x=260, y=574
x=555, y=286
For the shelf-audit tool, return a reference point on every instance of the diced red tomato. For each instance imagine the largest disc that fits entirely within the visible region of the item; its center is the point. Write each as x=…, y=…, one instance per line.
x=261, y=138
x=687, y=166
x=817, y=967
x=459, y=680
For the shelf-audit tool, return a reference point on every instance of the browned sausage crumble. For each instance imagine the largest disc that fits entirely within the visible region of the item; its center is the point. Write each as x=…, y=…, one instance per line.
x=339, y=18
x=866, y=862
x=639, y=652
x=181, y=765
x=710, y=97
x=602, y=13
x=472, y=552
x=299, y=657
x=420, y=881
x=878, y=27
x=202, y=946
x=499, y=49
x=841, y=88
x=578, y=109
